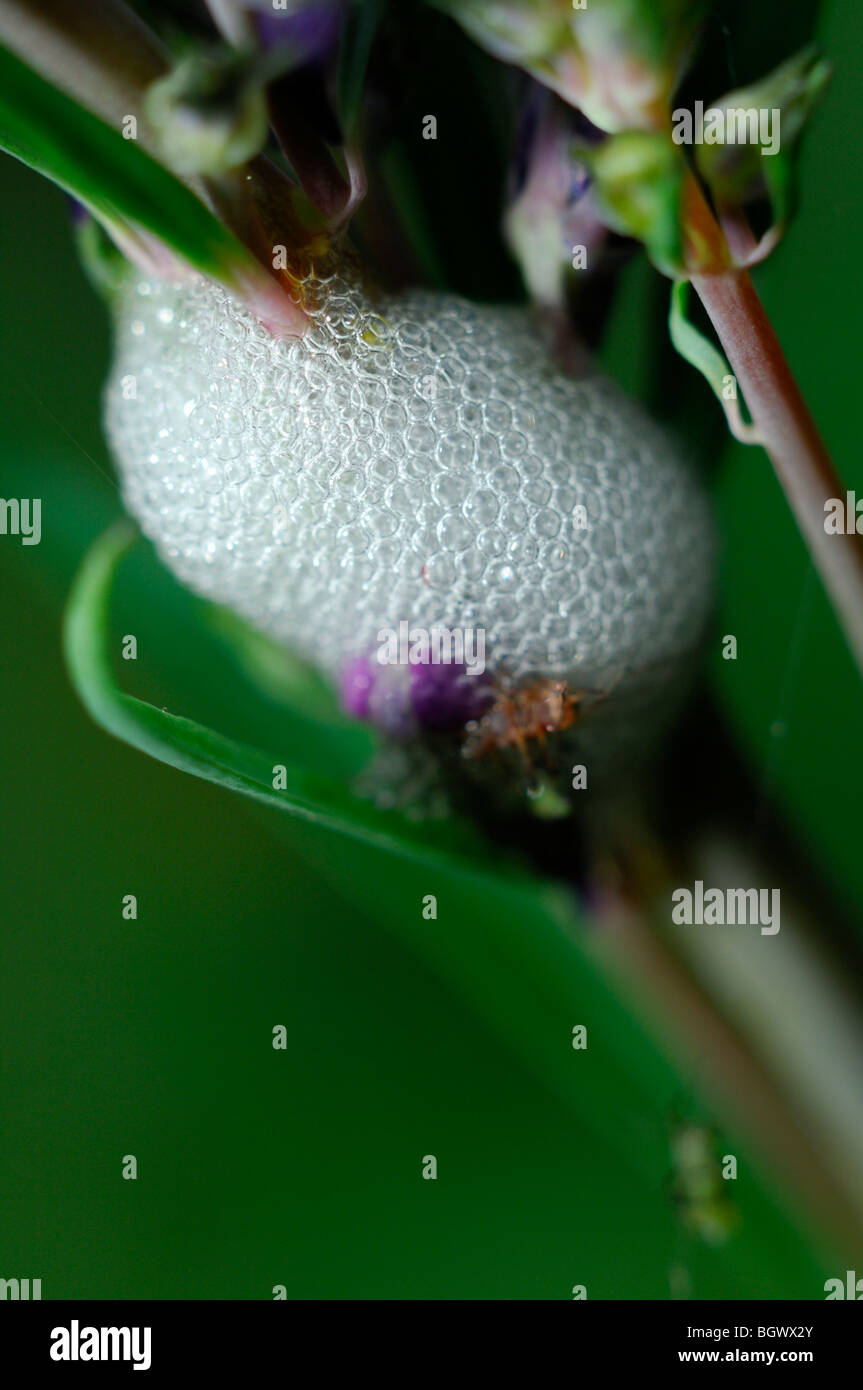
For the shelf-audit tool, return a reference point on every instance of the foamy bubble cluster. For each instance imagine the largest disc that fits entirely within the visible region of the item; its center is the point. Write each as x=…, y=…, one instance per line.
x=414, y=458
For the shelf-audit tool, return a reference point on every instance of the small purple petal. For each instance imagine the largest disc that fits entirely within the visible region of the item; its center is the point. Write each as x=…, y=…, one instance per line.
x=578, y=184
x=313, y=30
x=400, y=699
x=357, y=684
x=390, y=705
x=447, y=696
x=379, y=694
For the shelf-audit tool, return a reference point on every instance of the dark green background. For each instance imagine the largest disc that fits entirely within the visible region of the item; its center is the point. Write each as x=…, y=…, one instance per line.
x=259, y=1167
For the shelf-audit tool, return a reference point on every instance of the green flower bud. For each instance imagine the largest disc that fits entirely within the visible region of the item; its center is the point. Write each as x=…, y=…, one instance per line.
x=618, y=60
x=208, y=115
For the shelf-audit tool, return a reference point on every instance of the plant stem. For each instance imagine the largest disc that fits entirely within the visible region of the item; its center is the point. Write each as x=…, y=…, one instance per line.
x=779, y=413
x=731, y=1067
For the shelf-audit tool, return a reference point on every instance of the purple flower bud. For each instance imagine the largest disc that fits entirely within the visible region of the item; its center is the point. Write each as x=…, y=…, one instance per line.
x=379, y=694
x=447, y=696
x=311, y=29
x=400, y=700
x=391, y=706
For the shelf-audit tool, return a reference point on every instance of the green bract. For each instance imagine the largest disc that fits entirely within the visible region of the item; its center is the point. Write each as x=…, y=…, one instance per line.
x=618, y=60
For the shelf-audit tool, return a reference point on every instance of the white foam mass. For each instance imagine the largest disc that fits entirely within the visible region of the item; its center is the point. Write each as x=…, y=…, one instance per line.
x=418, y=458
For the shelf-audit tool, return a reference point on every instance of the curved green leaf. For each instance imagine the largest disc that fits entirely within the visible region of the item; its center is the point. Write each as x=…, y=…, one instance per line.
x=700, y=353
x=733, y=169
x=191, y=748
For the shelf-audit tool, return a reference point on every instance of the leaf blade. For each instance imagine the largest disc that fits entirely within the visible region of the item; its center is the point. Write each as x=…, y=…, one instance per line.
x=206, y=754
x=115, y=179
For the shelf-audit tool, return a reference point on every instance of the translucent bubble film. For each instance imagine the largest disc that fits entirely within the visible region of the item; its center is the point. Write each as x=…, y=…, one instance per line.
x=417, y=458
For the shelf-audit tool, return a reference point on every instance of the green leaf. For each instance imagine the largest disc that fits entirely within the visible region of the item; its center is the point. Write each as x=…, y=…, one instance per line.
x=700, y=353
x=103, y=262
x=113, y=177
x=639, y=178
x=529, y=968
x=510, y=946
x=276, y=670
x=738, y=171
x=191, y=748
x=370, y=1026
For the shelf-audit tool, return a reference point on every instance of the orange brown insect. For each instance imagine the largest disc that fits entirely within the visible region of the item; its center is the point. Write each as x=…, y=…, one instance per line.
x=522, y=714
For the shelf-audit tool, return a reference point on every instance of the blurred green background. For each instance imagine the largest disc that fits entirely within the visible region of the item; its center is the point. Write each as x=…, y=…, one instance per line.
x=406, y=1038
